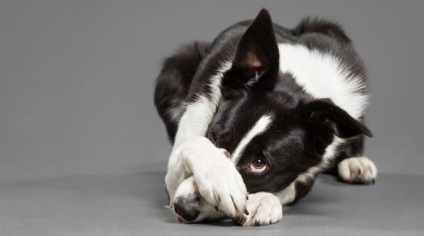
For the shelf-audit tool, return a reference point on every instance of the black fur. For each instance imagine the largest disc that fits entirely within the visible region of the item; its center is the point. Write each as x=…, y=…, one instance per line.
x=174, y=81
x=304, y=127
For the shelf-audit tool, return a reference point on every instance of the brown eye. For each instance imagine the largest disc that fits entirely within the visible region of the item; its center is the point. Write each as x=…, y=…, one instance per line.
x=258, y=166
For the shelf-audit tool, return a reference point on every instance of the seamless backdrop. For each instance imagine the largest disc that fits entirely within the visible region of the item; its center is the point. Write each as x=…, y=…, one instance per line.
x=83, y=152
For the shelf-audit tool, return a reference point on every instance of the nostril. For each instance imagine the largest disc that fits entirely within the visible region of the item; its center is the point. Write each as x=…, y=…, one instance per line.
x=178, y=206
x=187, y=208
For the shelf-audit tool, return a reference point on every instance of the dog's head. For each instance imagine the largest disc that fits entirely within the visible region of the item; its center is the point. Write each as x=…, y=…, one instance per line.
x=272, y=128
x=275, y=132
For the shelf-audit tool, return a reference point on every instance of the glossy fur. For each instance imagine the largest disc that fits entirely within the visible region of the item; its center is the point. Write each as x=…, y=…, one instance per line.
x=307, y=133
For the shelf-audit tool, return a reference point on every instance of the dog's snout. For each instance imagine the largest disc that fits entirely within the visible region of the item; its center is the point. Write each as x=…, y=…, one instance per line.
x=187, y=208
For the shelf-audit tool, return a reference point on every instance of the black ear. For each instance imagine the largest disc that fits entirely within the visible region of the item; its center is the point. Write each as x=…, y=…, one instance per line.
x=257, y=54
x=324, y=112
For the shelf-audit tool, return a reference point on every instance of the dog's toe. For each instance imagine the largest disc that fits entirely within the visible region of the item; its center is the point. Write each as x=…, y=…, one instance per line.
x=264, y=208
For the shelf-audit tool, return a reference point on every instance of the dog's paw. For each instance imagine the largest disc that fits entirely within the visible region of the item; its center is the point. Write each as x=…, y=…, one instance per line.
x=357, y=170
x=216, y=177
x=264, y=209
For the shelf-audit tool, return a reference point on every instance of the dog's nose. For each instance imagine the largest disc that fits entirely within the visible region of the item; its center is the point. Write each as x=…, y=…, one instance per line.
x=187, y=208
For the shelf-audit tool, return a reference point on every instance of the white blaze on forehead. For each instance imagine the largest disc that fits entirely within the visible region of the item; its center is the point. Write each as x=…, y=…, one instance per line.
x=259, y=127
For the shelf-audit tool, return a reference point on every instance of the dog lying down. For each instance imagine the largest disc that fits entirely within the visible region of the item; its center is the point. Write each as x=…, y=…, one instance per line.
x=257, y=114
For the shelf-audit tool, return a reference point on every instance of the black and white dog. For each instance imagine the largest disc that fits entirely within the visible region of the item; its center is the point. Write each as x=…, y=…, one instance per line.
x=257, y=114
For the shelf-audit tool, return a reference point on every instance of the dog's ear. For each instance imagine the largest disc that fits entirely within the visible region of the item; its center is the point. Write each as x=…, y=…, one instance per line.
x=256, y=56
x=324, y=120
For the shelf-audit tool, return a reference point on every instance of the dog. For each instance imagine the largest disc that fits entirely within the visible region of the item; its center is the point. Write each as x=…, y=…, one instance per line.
x=257, y=114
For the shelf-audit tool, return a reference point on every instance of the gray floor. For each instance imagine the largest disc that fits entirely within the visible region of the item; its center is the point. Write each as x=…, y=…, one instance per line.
x=83, y=152
x=132, y=203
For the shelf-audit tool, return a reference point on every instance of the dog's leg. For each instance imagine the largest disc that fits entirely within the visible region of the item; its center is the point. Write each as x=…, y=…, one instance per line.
x=216, y=176
x=357, y=170
x=193, y=124
x=217, y=179
x=351, y=166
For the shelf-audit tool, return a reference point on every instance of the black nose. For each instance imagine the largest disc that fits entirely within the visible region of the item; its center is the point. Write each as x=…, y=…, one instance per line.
x=187, y=208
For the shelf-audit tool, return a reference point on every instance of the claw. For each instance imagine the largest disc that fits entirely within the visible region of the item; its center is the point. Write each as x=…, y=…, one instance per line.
x=240, y=220
x=245, y=211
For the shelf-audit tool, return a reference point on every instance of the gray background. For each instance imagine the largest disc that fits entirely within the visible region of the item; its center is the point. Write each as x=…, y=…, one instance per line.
x=83, y=152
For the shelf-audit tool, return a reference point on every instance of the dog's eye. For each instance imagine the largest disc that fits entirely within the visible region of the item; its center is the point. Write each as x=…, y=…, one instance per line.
x=258, y=166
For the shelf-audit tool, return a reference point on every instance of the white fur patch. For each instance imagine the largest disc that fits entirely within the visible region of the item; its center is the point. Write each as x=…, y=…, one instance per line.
x=195, y=120
x=187, y=187
x=357, y=170
x=288, y=194
x=259, y=127
x=199, y=114
x=323, y=76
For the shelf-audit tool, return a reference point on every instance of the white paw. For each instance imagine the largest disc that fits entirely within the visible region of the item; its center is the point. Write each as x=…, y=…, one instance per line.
x=357, y=170
x=264, y=208
x=215, y=174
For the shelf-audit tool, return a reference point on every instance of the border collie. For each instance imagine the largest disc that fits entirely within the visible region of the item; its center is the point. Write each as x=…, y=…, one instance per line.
x=257, y=114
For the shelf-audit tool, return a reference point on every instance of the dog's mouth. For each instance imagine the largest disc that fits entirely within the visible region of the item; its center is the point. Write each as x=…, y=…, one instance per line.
x=185, y=219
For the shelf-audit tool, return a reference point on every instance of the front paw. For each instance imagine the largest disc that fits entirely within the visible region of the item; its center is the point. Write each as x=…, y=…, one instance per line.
x=224, y=189
x=264, y=208
x=218, y=180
